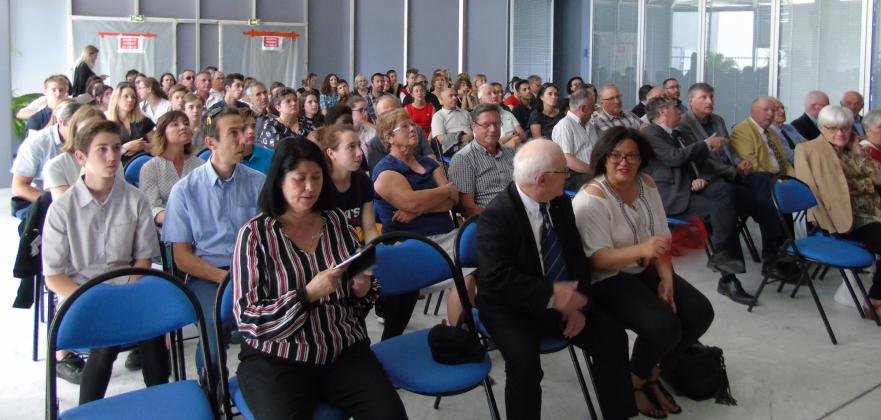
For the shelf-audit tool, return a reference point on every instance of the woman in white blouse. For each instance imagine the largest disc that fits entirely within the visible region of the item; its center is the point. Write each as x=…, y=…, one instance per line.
x=154, y=103
x=623, y=228
x=174, y=159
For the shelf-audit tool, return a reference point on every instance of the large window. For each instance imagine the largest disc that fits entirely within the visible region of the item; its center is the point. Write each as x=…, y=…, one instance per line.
x=671, y=42
x=738, y=54
x=615, y=46
x=819, y=49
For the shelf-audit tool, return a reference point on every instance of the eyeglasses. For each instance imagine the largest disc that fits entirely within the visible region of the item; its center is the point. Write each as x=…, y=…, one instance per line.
x=189, y=78
x=843, y=130
x=488, y=124
x=613, y=98
x=616, y=157
x=359, y=109
x=404, y=126
x=566, y=173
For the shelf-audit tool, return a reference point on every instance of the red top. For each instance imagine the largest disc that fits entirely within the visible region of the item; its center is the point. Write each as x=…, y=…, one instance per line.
x=511, y=101
x=872, y=150
x=422, y=117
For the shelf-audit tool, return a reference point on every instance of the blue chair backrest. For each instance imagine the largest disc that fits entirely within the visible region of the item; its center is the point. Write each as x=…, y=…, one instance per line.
x=108, y=315
x=467, y=244
x=569, y=193
x=132, y=171
x=409, y=265
x=226, y=315
x=792, y=195
x=205, y=154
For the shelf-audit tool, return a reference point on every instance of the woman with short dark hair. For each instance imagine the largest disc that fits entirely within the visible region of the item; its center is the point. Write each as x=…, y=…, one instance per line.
x=623, y=228
x=301, y=319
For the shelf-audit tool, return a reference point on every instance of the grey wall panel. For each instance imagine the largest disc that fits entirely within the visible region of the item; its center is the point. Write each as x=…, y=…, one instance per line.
x=208, y=43
x=186, y=46
x=36, y=54
x=225, y=9
x=285, y=10
x=379, y=35
x=329, y=38
x=5, y=93
x=486, y=39
x=181, y=9
x=569, y=24
x=114, y=8
x=434, y=35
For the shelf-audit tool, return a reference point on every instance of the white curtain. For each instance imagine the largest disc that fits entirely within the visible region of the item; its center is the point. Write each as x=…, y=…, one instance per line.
x=158, y=51
x=243, y=53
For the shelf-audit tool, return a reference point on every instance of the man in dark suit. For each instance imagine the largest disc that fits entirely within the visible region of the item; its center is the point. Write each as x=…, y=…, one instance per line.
x=687, y=190
x=807, y=123
x=534, y=282
x=639, y=109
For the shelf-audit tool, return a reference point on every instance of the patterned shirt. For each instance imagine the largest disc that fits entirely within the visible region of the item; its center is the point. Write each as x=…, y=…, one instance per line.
x=158, y=175
x=477, y=172
x=859, y=168
x=274, y=131
x=271, y=306
x=328, y=101
x=604, y=121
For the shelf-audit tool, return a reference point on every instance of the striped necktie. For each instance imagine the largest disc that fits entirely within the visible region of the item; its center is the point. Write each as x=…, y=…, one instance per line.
x=781, y=162
x=551, y=253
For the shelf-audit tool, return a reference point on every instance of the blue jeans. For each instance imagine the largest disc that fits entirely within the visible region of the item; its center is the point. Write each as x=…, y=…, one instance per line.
x=206, y=292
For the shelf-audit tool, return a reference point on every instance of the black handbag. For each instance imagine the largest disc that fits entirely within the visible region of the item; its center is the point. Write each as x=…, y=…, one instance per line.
x=454, y=345
x=700, y=374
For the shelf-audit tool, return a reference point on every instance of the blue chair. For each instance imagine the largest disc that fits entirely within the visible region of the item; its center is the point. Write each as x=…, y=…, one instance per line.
x=205, y=154
x=407, y=262
x=466, y=256
x=132, y=169
x=791, y=195
x=99, y=315
x=569, y=193
x=229, y=386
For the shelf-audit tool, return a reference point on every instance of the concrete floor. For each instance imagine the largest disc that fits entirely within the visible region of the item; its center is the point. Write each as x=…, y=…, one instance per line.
x=780, y=362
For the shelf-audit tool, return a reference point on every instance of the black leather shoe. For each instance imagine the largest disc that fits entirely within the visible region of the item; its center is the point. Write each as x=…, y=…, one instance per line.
x=70, y=368
x=726, y=262
x=781, y=270
x=734, y=291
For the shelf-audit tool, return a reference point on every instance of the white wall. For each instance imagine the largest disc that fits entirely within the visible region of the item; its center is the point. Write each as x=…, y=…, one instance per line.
x=38, y=36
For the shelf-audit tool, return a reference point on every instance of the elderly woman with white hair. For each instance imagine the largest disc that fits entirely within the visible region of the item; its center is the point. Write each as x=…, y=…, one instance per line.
x=844, y=180
x=872, y=126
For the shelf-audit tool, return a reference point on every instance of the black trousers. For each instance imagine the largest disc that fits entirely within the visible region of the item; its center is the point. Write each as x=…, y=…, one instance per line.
x=517, y=335
x=752, y=198
x=99, y=366
x=632, y=300
x=396, y=312
x=715, y=203
x=355, y=382
x=870, y=236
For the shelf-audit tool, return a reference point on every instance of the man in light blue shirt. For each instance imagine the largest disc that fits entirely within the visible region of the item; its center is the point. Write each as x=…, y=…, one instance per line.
x=206, y=209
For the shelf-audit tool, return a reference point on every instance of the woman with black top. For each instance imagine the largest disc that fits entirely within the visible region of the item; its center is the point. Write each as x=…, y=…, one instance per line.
x=545, y=114
x=301, y=319
x=288, y=123
x=310, y=114
x=166, y=82
x=350, y=188
x=123, y=110
x=85, y=70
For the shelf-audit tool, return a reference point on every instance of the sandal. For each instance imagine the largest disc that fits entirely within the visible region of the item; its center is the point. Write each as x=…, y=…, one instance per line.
x=667, y=395
x=867, y=309
x=654, y=406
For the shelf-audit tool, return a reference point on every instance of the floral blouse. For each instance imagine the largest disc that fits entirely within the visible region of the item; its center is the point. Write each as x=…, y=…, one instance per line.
x=859, y=168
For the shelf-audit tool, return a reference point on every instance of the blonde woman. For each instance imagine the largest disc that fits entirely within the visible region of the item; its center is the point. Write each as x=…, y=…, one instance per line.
x=123, y=110
x=85, y=70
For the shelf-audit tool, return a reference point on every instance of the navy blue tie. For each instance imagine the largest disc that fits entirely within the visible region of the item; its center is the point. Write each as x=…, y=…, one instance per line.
x=551, y=253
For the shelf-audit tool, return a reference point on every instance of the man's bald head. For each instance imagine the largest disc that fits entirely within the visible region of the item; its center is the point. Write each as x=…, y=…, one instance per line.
x=655, y=92
x=540, y=169
x=853, y=101
x=762, y=111
x=385, y=104
x=815, y=101
x=484, y=93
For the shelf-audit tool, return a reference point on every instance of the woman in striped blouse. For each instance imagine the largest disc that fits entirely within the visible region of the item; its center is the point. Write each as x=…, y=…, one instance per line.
x=301, y=319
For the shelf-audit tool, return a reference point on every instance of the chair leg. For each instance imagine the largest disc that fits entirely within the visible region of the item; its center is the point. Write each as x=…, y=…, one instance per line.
x=38, y=300
x=581, y=382
x=440, y=298
x=173, y=353
x=853, y=295
x=427, y=303
x=750, y=243
x=823, y=274
x=758, y=292
x=437, y=402
x=491, y=400
x=868, y=300
x=822, y=312
x=179, y=347
x=596, y=412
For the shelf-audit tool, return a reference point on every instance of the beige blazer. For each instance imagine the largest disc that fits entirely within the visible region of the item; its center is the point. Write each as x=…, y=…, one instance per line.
x=749, y=144
x=817, y=164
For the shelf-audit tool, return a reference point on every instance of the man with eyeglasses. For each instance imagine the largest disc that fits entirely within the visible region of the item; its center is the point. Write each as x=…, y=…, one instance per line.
x=577, y=136
x=612, y=112
x=672, y=90
x=482, y=168
x=687, y=190
x=186, y=78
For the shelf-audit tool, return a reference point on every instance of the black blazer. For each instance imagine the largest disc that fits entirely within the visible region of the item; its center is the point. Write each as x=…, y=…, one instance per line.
x=672, y=170
x=806, y=127
x=510, y=272
x=638, y=110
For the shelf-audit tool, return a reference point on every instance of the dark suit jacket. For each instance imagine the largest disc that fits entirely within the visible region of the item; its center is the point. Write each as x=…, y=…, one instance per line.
x=510, y=273
x=806, y=127
x=672, y=169
x=638, y=110
x=713, y=167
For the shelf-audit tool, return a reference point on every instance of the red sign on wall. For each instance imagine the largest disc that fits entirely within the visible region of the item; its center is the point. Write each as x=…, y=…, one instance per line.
x=130, y=44
x=272, y=43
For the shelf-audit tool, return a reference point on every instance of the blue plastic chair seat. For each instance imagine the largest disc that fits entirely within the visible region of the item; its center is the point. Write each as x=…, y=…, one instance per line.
x=408, y=363
x=180, y=400
x=546, y=346
x=674, y=221
x=833, y=252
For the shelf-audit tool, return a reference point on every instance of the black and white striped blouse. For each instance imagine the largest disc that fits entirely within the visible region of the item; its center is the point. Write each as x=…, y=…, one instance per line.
x=273, y=312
